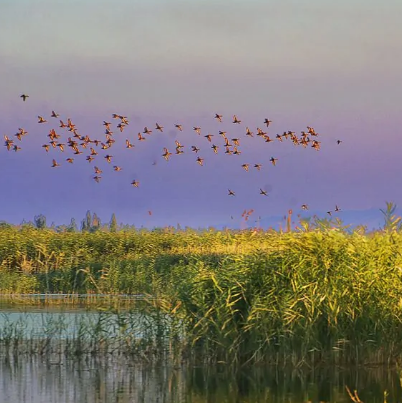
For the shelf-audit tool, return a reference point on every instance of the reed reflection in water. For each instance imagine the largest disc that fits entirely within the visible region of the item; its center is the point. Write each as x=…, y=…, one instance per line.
x=56, y=379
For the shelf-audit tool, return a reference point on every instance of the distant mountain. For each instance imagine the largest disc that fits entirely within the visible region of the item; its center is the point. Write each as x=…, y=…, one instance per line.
x=371, y=218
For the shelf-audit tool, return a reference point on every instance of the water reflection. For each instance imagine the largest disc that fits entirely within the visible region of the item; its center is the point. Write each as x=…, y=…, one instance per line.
x=104, y=378
x=36, y=379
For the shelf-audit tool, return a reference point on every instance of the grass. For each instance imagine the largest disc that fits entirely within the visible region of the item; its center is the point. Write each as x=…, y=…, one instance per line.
x=316, y=293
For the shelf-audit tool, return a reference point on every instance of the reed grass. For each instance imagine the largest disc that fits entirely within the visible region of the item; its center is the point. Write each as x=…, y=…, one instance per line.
x=318, y=292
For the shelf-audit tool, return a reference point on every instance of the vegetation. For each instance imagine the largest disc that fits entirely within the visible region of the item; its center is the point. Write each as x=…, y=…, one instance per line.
x=316, y=293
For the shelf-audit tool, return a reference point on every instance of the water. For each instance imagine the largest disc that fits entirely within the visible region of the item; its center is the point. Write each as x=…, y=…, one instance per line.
x=58, y=378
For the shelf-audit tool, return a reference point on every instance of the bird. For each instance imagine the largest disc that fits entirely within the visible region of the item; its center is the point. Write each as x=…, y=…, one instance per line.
x=117, y=168
x=147, y=131
x=231, y=193
x=135, y=183
x=215, y=148
x=158, y=127
x=54, y=114
x=209, y=137
x=197, y=130
x=121, y=126
x=41, y=119
x=263, y=192
x=70, y=160
x=236, y=120
x=245, y=167
x=179, y=127
x=339, y=142
x=273, y=160
x=166, y=154
x=55, y=164
x=195, y=149
x=304, y=207
x=24, y=97
x=267, y=121
x=97, y=170
x=258, y=166
x=200, y=161
x=337, y=208
x=316, y=145
x=140, y=137
x=128, y=144
x=7, y=142
x=249, y=132
x=218, y=117
x=108, y=158
x=97, y=178
x=124, y=120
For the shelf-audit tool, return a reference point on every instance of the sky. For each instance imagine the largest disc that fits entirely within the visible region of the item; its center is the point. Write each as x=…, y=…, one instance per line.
x=334, y=66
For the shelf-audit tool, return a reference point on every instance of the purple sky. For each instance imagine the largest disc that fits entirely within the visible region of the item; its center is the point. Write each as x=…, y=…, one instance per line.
x=331, y=65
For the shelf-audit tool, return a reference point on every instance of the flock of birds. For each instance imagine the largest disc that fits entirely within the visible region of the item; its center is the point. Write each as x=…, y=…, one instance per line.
x=78, y=144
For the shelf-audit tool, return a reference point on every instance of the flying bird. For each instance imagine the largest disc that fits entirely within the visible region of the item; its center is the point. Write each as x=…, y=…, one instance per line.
x=166, y=154
x=24, y=97
x=267, y=121
x=236, y=120
x=200, y=161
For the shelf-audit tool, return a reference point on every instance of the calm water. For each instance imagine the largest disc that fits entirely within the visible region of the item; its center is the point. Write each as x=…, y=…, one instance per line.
x=57, y=379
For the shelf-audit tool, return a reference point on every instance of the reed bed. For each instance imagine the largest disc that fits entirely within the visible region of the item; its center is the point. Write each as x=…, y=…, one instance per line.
x=319, y=293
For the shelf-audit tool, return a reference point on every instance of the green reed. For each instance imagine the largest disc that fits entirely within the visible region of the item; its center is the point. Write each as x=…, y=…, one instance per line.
x=317, y=293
